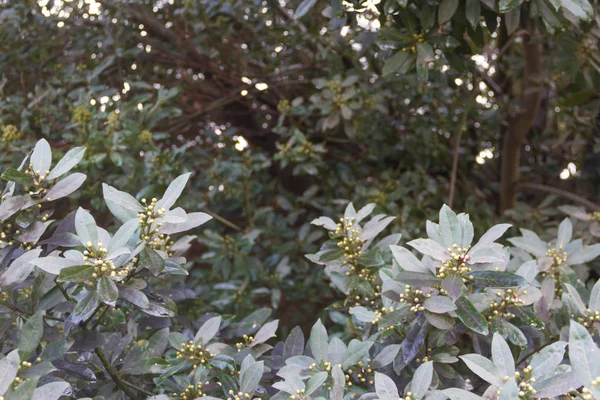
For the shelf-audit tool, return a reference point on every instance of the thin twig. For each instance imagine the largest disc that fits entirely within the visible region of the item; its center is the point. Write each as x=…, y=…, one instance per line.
x=139, y=389
x=223, y=220
x=114, y=374
x=62, y=290
x=559, y=192
x=461, y=128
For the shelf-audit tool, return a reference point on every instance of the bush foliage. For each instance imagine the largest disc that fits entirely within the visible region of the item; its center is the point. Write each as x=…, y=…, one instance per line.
x=89, y=313
x=179, y=177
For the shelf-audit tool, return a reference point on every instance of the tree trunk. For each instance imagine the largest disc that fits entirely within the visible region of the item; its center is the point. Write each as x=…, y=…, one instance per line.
x=521, y=123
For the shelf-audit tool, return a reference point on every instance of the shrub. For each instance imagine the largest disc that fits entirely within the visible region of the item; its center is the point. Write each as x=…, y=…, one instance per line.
x=89, y=312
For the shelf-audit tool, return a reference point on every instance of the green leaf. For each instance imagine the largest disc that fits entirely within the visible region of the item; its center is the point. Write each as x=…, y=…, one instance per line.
x=207, y=331
x=386, y=356
x=65, y=186
x=41, y=158
x=86, y=228
x=584, y=255
x=510, y=390
x=133, y=296
x=304, y=8
x=20, y=268
x=339, y=381
x=25, y=390
x=30, y=334
x=164, y=309
x=9, y=366
x=357, y=350
x=424, y=56
x=473, y=12
x=151, y=260
x=460, y=394
x=414, y=338
x=483, y=368
x=422, y=380
x=51, y=391
x=502, y=356
x=363, y=315
x=70, y=160
x=83, y=310
x=497, y=279
x=556, y=4
x=13, y=175
x=582, y=9
x=439, y=304
x=446, y=10
x=77, y=273
x=107, y=291
x=507, y=5
x=315, y=382
x=266, y=332
x=406, y=260
x=370, y=259
x=294, y=344
x=395, y=62
x=528, y=317
x=417, y=279
x=121, y=204
x=173, y=192
x=513, y=334
x=250, y=377
x=385, y=387
x=469, y=316
x=512, y=20
x=318, y=341
x=453, y=285
x=547, y=359
x=584, y=355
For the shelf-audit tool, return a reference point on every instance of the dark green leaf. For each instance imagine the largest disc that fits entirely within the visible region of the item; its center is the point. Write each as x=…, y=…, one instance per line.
x=395, y=62
x=414, y=339
x=417, y=279
x=30, y=335
x=473, y=12
x=508, y=5
x=77, y=273
x=13, y=175
x=107, y=291
x=497, y=279
x=446, y=10
x=152, y=260
x=528, y=317
x=469, y=316
x=83, y=310
x=304, y=8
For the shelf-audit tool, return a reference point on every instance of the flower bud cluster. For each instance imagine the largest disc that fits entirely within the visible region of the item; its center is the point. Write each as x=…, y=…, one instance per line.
x=194, y=353
x=191, y=392
x=248, y=340
x=362, y=374
x=457, y=264
x=238, y=395
x=10, y=133
x=559, y=256
x=352, y=246
x=590, y=319
x=414, y=298
x=507, y=299
x=95, y=256
x=150, y=228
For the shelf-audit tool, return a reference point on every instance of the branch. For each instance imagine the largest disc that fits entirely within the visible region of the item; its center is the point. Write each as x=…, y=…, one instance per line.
x=461, y=128
x=559, y=192
x=223, y=220
x=114, y=374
